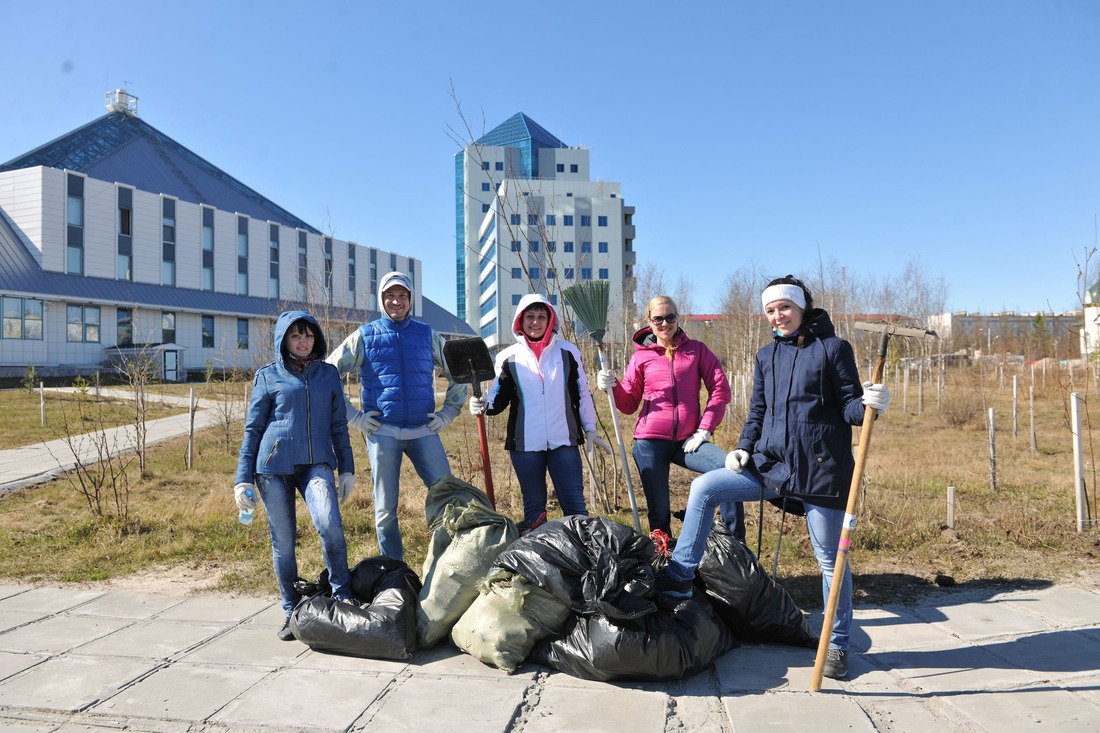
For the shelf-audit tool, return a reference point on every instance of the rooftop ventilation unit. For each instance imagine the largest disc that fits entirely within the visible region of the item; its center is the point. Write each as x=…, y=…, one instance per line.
x=121, y=100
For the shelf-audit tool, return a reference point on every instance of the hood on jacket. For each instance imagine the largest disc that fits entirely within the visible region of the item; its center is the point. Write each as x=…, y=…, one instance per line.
x=282, y=325
x=394, y=278
x=526, y=302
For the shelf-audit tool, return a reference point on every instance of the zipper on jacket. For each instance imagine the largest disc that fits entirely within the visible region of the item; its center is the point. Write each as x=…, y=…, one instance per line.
x=309, y=418
x=274, y=450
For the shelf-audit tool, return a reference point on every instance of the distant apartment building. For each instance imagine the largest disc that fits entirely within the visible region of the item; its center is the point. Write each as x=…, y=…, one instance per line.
x=114, y=236
x=529, y=219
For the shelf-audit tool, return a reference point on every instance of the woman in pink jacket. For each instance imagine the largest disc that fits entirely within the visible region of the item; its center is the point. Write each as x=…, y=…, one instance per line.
x=665, y=378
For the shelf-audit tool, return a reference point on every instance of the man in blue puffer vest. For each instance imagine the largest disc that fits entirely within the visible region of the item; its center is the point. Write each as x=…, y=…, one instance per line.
x=396, y=357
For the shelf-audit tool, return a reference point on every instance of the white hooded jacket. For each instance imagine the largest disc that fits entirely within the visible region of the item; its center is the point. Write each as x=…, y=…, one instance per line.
x=549, y=396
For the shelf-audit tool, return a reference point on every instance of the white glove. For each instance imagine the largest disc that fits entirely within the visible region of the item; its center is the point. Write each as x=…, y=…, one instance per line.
x=595, y=440
x=245, y=502
x=345, y=486
x=365, y=421
x=737, y=460
x=478, y=405
x=695, y=442
x=437, y=421
x=606, y=379
x=876, y=396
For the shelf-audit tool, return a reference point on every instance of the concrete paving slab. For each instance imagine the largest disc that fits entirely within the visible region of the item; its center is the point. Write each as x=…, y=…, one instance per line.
x=342, y=663
x=895, y=630
x=605, y=710
x=1061, y=605
x=758, y=668
x=59, y=633
x=182, y=692
x=1088, y=689
x=14, y=619
x=271, y=617
x=1056, y=653
x=215, y=609
x=959, y=669
x=304, y=699
x=71, y=682
x=445, y=659
x=247, y=646
x=470, y=704
x=796, y=712
x=30, y=726
x=48, y=600
x=909, y=715
x=983, y=620
x=7, y=591
x=127, y=604
x=11, y=664
x=154, y=639
x=1046, y=709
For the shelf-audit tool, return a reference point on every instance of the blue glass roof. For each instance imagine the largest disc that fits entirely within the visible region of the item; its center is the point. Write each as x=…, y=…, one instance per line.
x=122, y=148
x=517, y=129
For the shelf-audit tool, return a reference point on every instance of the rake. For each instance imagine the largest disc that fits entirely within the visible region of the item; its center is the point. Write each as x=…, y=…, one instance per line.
x=589, y=301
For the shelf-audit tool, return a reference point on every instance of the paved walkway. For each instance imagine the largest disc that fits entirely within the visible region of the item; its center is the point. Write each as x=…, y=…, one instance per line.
x=96, y=660
x=90, y=660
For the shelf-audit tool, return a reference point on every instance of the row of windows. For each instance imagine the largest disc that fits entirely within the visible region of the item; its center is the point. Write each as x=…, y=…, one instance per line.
x=568, y=273
x=533, y=245
x=552, y=219
x=518, y=297
x=21, y=318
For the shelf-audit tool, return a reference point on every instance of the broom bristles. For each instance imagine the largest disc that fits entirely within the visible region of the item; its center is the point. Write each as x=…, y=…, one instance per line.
x=589, y=301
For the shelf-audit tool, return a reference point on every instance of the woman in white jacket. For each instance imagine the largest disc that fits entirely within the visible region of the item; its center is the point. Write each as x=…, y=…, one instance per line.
x=542, y=379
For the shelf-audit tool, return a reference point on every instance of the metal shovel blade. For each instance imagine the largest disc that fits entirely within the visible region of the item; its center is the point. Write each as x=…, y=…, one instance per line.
x=469, y=361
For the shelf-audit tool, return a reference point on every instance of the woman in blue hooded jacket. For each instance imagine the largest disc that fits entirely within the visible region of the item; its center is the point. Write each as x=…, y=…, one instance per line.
x=295, y=436
x=797, y=442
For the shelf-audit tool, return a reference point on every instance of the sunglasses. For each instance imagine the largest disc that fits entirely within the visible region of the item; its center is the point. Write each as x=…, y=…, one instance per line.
x=658, y=320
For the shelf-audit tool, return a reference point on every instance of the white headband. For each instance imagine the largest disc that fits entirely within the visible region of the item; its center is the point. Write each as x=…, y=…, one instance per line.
x=783, y=291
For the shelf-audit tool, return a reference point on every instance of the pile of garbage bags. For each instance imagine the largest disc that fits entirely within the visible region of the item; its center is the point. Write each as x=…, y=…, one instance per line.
x=578, y=594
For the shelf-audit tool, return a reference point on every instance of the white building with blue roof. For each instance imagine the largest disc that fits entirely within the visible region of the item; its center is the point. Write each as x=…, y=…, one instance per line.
x=115, y=235
x=528, y=218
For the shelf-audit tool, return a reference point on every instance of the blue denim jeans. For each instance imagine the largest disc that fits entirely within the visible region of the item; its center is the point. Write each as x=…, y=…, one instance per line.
x=386, y=448
x=315, y=484
x=564, y=465
x=654, y=459
x=824, y=525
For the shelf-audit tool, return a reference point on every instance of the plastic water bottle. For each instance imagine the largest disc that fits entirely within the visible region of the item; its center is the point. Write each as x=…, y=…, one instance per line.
x=246, y=517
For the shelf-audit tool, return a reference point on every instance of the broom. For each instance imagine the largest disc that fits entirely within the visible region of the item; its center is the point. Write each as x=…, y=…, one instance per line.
x=589, y=302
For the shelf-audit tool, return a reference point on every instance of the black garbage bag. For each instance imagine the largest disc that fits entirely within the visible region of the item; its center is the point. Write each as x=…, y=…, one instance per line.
x=592, y=564
x=745, y=597
x=668, y=644
x=383, y=627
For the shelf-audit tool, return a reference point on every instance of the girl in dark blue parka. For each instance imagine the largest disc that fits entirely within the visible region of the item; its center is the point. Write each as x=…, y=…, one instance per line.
x=295, y=435
x=797, y=442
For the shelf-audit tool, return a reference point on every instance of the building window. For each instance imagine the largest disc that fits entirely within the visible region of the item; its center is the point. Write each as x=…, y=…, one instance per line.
x=517, y=273
x=601, y=221
x=242, y=255
x=486, y=187
x=168, y=242
x=550, y=273
x=373, y=271
x=273, y=261
x=328, y=268
x=82, y=324
x=21, y=319
x=208, y=332
x=485, y=208
x=242, y=333
x=573, y=168
x=516, y=299
x=485, y=165
x=125, y=332
x=568, y=247
x=551, y=220
x=167, y=327
x=515, y=245
x=551, y=246
x=586, y=220
x=603, y=273
x=533, y=244
x=303, y=265
x=74, y=230
x=207, y=248
x=560, y=167
x=532, y=220
x=489, y=305
x=514, y=219
x=586, y=247
x=351, y=272
x=568, y=219
x=500, y=165
x=535, y=274
x=569, y=273
x=553, y=299
x=489, y=280
x=602, y=247
x=124, y=267
x=586, y=273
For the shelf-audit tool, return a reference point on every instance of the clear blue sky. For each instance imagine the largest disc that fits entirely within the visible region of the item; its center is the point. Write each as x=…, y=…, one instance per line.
x=770, y=134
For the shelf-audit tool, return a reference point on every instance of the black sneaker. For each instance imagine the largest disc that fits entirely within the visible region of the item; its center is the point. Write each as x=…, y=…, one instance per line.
x=836, y=664
x=671, y=587
x=525, y=527
x=285, y=634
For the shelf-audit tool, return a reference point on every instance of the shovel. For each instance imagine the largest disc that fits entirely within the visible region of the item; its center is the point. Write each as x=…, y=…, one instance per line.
x=470, y=363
